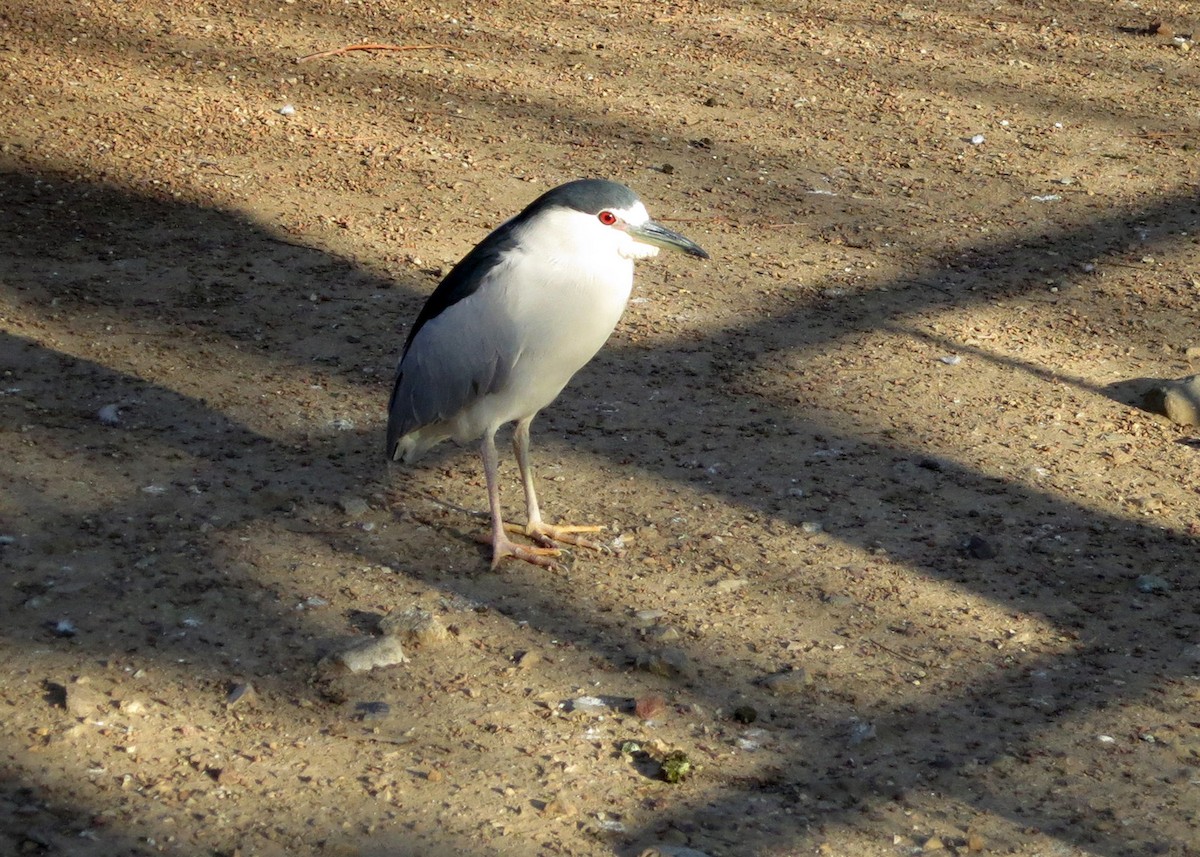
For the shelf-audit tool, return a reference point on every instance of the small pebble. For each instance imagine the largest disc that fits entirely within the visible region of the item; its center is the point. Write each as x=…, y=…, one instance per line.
x=745, y=714
x=241, y=692
x=1047, y=197
x=354, y=507
x=414, y=625
x=109, y=415
x=978, y=140
x=1152, y=585
x=287, y=110
x=787, y=682
x=951, y=359
x=650, y=706
x=669, y=663
x=374, y=710
x=559, y=806
x=589, y=704
x=977, y=547
x=860, y=731
x=366, y=656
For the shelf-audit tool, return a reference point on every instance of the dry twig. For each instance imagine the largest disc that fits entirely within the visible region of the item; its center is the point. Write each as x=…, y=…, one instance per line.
x=374, y=47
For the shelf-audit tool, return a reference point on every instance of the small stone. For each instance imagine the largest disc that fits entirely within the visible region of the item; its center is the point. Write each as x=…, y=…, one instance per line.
x=109, y=415
x=669, y=663
x=1182, y=404
x=933, y=843
x=374, y=710
x=672, y=851
x=977, y=547
x=366, y=656
x=1191, y=654
x=1152, y=585
x=589, y=704
x=650, y=706
x=559, y=806
x=414, y=625
x=731, y=584
x=860, y=731
x=354, y=507
x=527, y=660
x=81, y=700
x=242, y=692
x=1178, y=400
x=787, y=682
x=745, y=714
x=665, y=633
x=131, y=706
x=975, y=842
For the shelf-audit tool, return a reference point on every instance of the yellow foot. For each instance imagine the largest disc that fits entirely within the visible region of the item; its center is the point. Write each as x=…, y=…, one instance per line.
x=540, y=556
x=551, y=534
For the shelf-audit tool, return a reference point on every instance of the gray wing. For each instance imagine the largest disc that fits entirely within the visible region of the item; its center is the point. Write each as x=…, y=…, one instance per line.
x=463, y=353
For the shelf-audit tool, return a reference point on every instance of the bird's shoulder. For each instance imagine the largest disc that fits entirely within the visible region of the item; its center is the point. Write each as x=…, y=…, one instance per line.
x=468, y=276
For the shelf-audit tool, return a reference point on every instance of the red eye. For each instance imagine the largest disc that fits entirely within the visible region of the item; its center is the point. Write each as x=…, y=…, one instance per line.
x=607, y=218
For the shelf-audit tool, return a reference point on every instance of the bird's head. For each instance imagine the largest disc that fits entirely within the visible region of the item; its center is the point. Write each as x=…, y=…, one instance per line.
x=600, y=216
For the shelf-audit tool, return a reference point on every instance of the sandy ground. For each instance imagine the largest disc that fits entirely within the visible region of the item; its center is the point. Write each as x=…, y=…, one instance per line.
x=901, y=565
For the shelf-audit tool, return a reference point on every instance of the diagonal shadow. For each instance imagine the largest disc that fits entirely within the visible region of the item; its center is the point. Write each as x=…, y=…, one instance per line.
x=1083, y=552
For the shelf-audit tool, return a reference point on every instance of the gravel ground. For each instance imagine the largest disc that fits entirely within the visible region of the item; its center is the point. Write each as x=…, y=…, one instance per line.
x=902, y=560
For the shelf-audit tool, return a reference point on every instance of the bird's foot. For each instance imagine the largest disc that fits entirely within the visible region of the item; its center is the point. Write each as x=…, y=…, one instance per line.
x=540, y=556
x=549, y=535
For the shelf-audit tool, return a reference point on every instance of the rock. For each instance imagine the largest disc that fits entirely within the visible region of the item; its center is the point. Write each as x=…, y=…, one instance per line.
x=1178, y=400
x=354, y=507
x=665, y=633
x=1182, y=404
x=745, y=714
x=527, y=660
x=977, y=547
x=81, y=699
x=650, y=706
x=589, y=705
x=730, y=584
x=1191, y=654
x=240, y=693
x=414, y=625
x=109, y=415
x=366, y=656
x=559, y=806
x=373, y=710
x=1152, y=585
x=860, y=731
x=672, y=851
x=669, y=663
x=787, y=682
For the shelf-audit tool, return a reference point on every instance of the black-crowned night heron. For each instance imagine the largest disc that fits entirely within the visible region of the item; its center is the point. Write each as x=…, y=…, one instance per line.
x=511, y=323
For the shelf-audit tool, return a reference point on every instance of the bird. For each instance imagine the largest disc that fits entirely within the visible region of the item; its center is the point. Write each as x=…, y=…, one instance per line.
x=508, y=327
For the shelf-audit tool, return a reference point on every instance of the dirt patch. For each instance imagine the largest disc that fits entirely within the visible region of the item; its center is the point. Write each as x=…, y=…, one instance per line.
x=901, y=565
